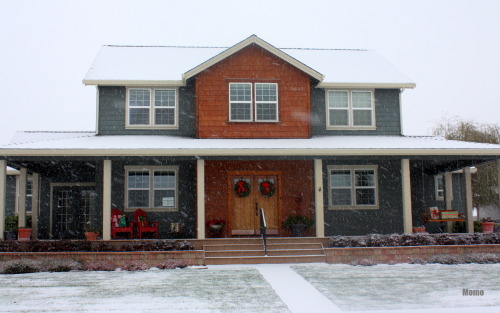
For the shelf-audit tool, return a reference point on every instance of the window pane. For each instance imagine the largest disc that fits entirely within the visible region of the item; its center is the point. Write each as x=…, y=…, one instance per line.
x=139, y=97
x=341, y=196
x=165, y=98
x=361, y=99
x=240, y=92
x=165, y=116
x=138, y=179
x=266, y=92
x=139, y=116
x=362, y=117
x=138, y=198
x=339, y=118
x=341, y=178
x=266, y=112
x=365, y=178
x=365, y=196
x=241, y=111
x=164, y=198
x=337, y=99
x=164, y=179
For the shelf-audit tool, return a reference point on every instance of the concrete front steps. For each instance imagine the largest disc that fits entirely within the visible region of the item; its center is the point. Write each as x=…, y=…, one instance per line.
x=251, y=251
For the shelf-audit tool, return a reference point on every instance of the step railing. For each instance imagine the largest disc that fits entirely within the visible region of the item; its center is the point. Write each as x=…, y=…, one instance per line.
x=263, y=229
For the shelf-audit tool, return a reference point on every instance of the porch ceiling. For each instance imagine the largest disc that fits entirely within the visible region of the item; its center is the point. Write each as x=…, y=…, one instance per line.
x=57, y=168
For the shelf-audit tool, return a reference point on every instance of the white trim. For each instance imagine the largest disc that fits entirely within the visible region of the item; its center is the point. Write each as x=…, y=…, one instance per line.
x=468, y=200
x=350, y=111
x=406, y=194
x=35, y=204
x=51, y=197
x=246, y=102
x=328, y=85
x=151, y=189
x=269, y=102
x=3, y=196
x=352, y=169
x=247, y=42
x=200, y=198
x=23, y=178
x=135, y=83
x=107, y=172
x=151, y=108
x=318, y=198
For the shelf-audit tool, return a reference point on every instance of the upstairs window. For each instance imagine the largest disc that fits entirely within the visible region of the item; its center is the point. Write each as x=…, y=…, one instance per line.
x=350, y=109
x=253, y=102
x=151, y=107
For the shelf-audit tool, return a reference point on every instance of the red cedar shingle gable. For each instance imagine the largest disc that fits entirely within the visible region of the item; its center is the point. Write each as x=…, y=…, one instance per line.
x=254, y=65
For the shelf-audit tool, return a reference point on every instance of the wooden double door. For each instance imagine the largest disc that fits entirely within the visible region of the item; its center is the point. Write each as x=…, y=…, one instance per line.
x=263, y=192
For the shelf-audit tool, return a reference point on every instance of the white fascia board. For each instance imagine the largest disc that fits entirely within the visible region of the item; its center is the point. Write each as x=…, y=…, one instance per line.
x=173, y=83
x=266, y=46
x=366, y=85
x=251, y=152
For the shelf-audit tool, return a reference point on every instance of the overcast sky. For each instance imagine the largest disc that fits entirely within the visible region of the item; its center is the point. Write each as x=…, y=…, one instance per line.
x=450, y=49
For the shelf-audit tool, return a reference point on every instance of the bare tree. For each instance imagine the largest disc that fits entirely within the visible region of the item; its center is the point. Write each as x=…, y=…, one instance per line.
x=485, y=182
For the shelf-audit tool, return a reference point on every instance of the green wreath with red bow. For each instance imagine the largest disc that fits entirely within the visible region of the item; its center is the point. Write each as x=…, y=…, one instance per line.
x=267, y=188
x=242, y=188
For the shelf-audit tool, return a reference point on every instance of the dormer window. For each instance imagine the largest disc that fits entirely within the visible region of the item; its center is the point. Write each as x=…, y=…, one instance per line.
x=253, y=102
x=350, y=109
x=151, y=107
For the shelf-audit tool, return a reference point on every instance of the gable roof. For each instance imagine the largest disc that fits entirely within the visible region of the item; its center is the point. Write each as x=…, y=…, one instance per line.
x=173, y=65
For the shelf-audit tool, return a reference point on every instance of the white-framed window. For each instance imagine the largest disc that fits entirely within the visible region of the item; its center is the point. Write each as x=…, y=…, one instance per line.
x=439, y=187
x=152, y=107
x=152, y=188
x=253, y=102
x=350, y=109
x=353, y=187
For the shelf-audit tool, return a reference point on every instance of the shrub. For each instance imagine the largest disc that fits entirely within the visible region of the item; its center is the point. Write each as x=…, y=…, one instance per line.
x=64, y=265
x=135, y=266
x=171, y=264
x=184, y=245
x=363, y=262
x=21, y=266
x=99, y=266
x=102, y=246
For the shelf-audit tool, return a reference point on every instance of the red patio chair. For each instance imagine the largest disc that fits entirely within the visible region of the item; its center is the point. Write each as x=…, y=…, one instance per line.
x=143, y=225
x=115, y=228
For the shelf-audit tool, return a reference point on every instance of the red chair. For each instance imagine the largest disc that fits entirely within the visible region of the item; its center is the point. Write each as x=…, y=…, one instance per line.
x=115, y=228
x=143, y=225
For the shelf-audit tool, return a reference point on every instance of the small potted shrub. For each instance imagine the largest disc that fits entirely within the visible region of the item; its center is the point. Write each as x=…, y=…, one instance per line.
x=24, y=233
x=488, y=225
x=91, y=234
x=419, y=229
x=297, y=224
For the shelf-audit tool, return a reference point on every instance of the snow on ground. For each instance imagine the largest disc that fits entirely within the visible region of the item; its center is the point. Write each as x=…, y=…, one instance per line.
x=259, y=288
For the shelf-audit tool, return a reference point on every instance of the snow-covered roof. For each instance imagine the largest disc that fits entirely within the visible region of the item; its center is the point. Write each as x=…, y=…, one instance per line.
x=172, y=65
x=90, y=144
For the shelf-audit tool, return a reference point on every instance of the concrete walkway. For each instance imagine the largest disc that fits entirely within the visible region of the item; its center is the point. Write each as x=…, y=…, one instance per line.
x=297, y=293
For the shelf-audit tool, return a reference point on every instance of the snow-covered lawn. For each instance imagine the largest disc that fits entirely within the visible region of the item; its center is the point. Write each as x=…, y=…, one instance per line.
x=405, y=286
x=259, y=288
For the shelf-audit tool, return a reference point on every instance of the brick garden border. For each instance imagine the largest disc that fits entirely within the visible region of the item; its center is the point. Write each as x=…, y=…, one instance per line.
x=118, y=259
x=401, y=254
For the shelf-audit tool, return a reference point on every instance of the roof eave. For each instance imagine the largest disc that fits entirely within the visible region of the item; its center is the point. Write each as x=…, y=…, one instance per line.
x=111, y=82
x=263, y=44
x=365, y=85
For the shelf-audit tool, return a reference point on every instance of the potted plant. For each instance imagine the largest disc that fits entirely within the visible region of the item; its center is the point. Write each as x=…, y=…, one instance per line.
x=297, y=224
x=24, y=233
x=215, y=225
x=91, y=234
x=10, y=232
x=419, y=229
x=488, y=225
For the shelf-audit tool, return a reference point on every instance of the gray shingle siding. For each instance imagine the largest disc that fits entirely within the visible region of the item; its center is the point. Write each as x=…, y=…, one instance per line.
x=387, y=114
x=112, y=106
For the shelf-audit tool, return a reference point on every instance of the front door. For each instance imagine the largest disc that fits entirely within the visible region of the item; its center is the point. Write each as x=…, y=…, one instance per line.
x=251, y=191
x=72, y=208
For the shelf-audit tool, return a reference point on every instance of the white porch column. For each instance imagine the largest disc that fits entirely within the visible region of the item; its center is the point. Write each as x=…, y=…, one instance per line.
x=3, y=191
x=318, y=198
x=106, y=200
x=200, y=198
x=498, y=181
x=406, y=186
x=448, y=186
x=35, y=205
x=468, y=201
x=23, y=178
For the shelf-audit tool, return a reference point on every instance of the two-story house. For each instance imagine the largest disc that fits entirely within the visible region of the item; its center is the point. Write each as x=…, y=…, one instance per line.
x=191, y=134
